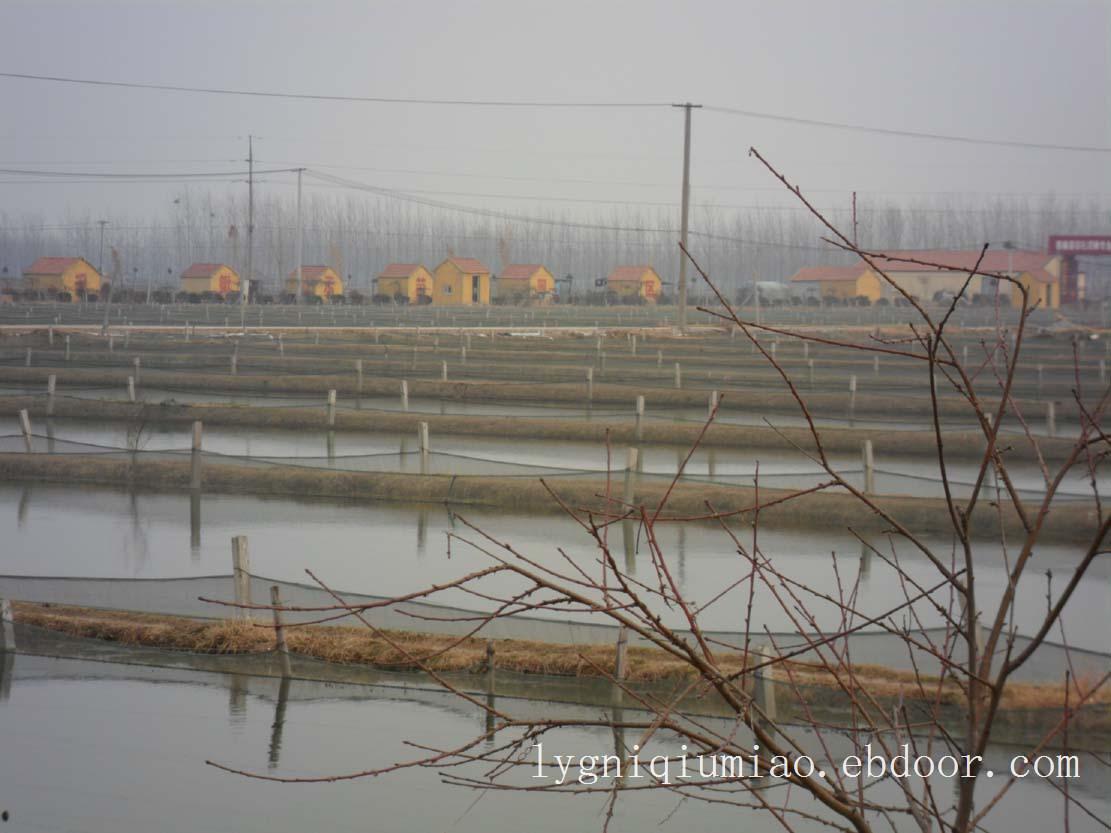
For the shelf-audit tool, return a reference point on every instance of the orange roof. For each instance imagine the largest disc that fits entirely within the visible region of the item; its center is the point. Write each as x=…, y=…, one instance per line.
x=995, y=260
x=311, y=272
x=520, y=271
x=52, y=265
x=202, y=270
x=822, y=274
x=629, y=273
x=468, y=264
x=399, y=270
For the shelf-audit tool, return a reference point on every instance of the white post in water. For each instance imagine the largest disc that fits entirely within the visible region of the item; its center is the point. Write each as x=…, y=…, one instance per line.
x=659, y=358
x=1039, y=380
x=67, y=348
x=50, y=336
x=869, y=468
x=875, y=365
x=404, y=395
x=51, y=384
x=241, y=574
x=25, y=426
x=111, y=343
x=964, y=355
x=810, y=370
x=806, y=349
x=279, y=631
x=136, y=363
x=630, y=476
x=331, y=409
x=590, y=384
x=620, y=660
x=1051, y=419
x=765, y=680
x=195, y=456
x=27, y=361
x=678, y=376
x=130, y=388
x=713, y=403
x=1103, y=370
x=852, y=396
x=443, y=371
x=422, y=438
x=358, y=375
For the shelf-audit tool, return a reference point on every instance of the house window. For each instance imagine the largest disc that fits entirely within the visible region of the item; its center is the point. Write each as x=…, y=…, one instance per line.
x=447, y=289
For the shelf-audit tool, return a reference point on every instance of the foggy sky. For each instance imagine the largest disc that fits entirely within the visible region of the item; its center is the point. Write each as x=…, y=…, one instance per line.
x=1011, y=69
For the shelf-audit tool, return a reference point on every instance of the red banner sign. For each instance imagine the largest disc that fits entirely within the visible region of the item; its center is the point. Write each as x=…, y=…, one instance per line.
x=1080, y=244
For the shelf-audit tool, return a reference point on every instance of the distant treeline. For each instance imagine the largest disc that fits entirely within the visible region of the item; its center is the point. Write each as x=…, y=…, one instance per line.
x=358, y=235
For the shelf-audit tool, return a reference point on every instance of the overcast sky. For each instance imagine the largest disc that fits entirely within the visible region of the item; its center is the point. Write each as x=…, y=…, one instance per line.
x=1014, y=70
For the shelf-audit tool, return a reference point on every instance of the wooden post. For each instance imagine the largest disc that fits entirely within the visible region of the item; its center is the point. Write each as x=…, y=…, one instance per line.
x=629, y=492
x=51, y=384
x=404, y=395
x=358, y=375
x=1051, y=419
x=25, y=425
x=241, y=574
x=7, y=628
x=678, y=376
x=136, y=362
x=130, y=388
x=331, y=409
x=279, y=631
x=195, y=456
x=590, y=384
x=869, y=468
x=621, y=660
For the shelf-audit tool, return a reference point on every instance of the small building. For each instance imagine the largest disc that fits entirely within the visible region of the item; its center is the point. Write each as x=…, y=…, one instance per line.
x=62, y=277
x=410, y=281
x=321, y=282
x=837, y=282
x=213, y=278
x=1039, y=272
x=525, y=282
x=628, y=281
x=461, y=281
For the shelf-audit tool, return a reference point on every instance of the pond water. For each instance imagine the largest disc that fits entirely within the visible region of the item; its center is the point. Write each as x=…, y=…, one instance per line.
x=95, y=747
x=389, y=549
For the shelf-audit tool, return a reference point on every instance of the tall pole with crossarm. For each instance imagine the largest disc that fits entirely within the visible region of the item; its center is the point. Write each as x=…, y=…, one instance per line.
x=684, y=216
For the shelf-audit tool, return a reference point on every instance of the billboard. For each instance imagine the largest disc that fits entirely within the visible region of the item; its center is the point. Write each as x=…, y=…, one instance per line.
x=1080, y=244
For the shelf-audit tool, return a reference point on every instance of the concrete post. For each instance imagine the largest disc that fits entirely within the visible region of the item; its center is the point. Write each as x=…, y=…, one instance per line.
x=25, y=426
x=279, y=631
x=27, y=361
x=331, y=409
x=875, y=365
x=713, y=403
x=111, y=343
x=852, y=396
x=241, y=574
x=869, y=468
x=629, y=492
x=67, y=348
x=765, y=681
x=50, y=336
x=678, y=376
x=810, y=370
x=51, y=384
x=358, y=375
x=590, y=384
x=659, y=358
x=1051, y=419
x=633, y=343
x=136, y=362
x=195, y=456
x=404, y=395
x=443, y=371
x=422, y=438
x=7, y=627
x=621, y=662
x=130, y=388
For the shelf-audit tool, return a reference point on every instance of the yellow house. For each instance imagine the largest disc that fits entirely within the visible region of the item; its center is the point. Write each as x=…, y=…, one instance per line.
x=405, y=280
x=839, y=282
x=1039, y=272
x=525, y=282
x=320, y=281
x=461, y=281
x=216, y=278
x=74, y=276
x=627, y=281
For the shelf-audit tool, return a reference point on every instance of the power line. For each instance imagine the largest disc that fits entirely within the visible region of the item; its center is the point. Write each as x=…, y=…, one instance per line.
x=911, y=134
x=453, y=102
x=133, y=176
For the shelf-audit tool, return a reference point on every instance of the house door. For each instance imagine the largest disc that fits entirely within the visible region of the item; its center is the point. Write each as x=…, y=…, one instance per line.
x=474, y=289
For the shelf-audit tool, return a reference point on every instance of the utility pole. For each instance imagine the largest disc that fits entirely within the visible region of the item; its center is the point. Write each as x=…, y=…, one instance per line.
x=245, y=291
x=685, y=213
x=300, y=238
x=856, y=243
x=100, y=257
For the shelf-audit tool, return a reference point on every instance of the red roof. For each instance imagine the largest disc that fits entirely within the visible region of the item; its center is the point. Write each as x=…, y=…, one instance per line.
x=828, y=273
x=311, y=272
x=202, y=270
x=468, y=264
x=629, y=273
x=520, y=271
x=995, y=260
x=399, y=270
x=52, y=265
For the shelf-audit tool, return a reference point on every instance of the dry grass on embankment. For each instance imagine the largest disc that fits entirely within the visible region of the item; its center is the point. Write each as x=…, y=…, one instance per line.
x=358, y=646
x=819, y=510
x=958, y=444
x=775, y=400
